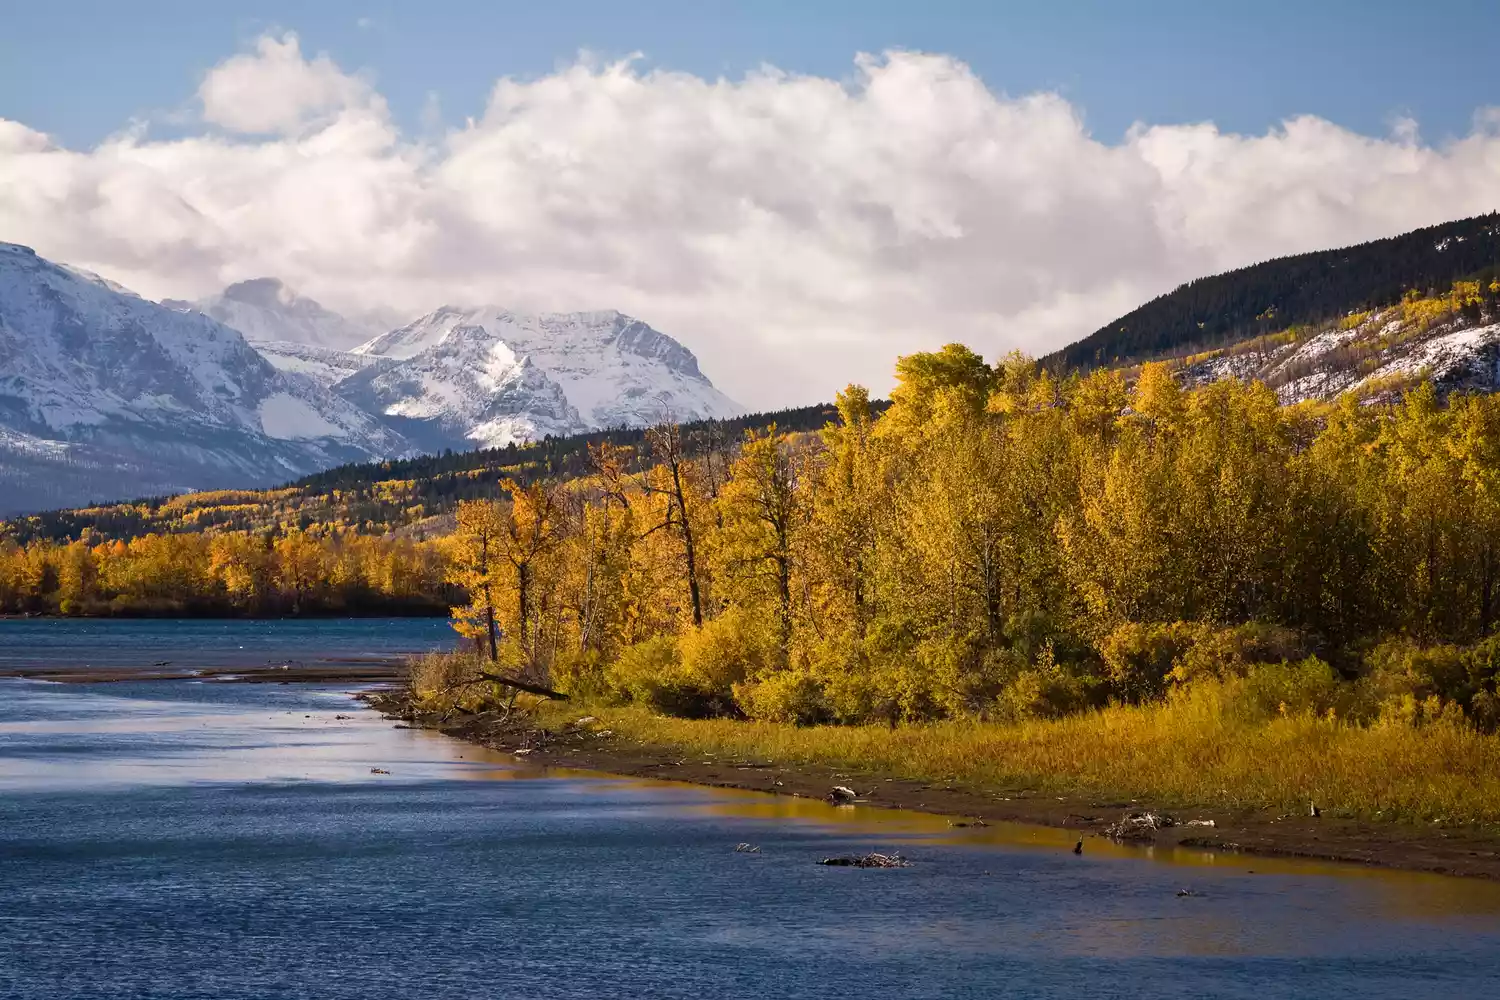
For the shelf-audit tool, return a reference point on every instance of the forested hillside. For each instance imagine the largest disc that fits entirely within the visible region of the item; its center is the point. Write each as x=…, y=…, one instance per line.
x=405, y=495
x=1280, y=294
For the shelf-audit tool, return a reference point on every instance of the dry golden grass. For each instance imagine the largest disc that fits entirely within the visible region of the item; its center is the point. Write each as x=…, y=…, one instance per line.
x=1186, y=752
x=440, y=682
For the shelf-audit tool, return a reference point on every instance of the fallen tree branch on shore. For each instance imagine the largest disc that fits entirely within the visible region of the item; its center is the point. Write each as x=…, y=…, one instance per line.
x=521, y=685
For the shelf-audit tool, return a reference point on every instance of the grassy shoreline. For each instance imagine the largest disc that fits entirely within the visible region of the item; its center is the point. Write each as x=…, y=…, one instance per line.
x=961, y=770
x=1178, y=755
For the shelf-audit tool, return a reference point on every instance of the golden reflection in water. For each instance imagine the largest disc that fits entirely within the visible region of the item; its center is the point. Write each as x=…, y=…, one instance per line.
x=343, y=744
x=1397, y=894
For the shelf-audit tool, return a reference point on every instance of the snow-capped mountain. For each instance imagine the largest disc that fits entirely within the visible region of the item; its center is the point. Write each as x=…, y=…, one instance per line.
x=104, y=394
x=472, y=391
x=266, y=311
x=492, y=376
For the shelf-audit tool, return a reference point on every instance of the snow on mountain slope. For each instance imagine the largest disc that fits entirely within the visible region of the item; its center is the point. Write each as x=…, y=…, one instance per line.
x=469, y=390
x=267, y=311
x=323, y=365
x=613, y=370
x=1379, y=350
x=141, y=398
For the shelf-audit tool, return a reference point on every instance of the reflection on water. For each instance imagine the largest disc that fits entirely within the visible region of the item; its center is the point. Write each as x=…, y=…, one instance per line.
x=171, y=839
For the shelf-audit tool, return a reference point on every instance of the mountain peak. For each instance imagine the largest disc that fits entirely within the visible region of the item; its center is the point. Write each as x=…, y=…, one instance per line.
x=614, y=370
x=266, y=310
x=267, y=293
x=107, y=393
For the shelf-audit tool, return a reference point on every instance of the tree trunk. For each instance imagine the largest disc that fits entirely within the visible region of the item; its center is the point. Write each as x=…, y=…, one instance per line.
x=489, y=618
x=687, y=545
x=523, y=596
x=520, y=685
x=1487, y=592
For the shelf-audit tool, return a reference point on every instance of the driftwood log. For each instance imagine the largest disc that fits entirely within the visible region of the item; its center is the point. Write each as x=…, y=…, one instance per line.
x=521, y=685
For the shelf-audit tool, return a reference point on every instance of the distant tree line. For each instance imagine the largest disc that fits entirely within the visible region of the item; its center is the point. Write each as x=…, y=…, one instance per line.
x=226, y=574
x=413, y=495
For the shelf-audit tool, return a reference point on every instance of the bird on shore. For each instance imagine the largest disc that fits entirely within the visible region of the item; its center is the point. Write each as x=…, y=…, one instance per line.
x=1078, y=847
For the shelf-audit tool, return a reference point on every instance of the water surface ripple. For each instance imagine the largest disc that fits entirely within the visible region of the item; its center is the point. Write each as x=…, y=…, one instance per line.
x=179, y=839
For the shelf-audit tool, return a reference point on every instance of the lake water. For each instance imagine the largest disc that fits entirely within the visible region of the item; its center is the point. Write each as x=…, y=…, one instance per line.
x=97, y=643
x=214, y=840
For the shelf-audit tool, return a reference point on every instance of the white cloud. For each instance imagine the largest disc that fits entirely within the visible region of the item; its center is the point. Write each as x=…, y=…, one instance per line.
x=275, y=90
x=796, y=232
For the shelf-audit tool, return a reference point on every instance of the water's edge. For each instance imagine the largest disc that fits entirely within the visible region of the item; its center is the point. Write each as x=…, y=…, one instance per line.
x=1463, y=851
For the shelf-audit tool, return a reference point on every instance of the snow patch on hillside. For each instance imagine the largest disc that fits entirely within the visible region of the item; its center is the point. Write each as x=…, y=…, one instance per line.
x=287, y=418
x=325, y=366
x=1364, y=357
x=1453, y=354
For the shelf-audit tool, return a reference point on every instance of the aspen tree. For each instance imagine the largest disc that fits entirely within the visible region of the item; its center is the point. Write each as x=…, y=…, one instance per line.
x=762, y=512
x=473, y=566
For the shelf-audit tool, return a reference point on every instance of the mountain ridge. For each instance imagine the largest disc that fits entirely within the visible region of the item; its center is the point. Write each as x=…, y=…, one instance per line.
x=1270, y=296
x=266, y=310
x=587, y=371
x=106, y=394
x=104, y=391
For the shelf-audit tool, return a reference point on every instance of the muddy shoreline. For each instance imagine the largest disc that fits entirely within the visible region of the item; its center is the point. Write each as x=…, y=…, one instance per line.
x=1462, y=851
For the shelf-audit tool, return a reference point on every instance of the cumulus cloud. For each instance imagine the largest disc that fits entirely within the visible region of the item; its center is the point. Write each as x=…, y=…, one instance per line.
x=796, y=232
x=275, y=90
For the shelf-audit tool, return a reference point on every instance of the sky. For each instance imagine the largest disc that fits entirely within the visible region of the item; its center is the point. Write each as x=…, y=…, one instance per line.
x=799, y=192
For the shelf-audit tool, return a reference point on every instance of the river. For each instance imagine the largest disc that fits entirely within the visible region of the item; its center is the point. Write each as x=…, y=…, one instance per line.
x=170, y=839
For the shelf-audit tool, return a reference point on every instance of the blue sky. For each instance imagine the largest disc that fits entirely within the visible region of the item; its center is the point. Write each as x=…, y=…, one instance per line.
x=982, y=183
x=79, y=70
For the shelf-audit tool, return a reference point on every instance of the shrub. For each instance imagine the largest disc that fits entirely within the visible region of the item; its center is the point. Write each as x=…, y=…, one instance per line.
x=1138, y=657
x=1232, y=652
x=856, y=681
x=692, y=675
x=1047, y=690
x=1143, y=660
x=793, y=696
x=650, y=673
x=726, y=651
x=442, y=681
x=1401, y=679
x=580, y=674
x=1306, y=687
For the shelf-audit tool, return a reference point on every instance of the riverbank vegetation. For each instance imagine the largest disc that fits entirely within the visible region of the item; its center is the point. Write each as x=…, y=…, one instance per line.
x=1007, y=546
x=1200, y=748
x=1227, y=744
x=1196, y=595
